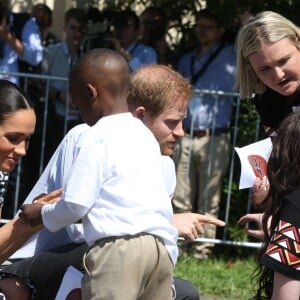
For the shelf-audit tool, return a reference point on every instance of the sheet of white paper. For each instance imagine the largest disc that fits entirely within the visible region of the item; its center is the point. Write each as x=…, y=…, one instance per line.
x=71, y=281
x=253, y=159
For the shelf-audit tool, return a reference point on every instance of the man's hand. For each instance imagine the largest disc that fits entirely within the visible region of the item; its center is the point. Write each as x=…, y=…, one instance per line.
x=190, y=225
x=257, y=219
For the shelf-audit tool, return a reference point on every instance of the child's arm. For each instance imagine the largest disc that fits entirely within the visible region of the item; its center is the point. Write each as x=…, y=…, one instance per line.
x=31, y=213
x=285, y=288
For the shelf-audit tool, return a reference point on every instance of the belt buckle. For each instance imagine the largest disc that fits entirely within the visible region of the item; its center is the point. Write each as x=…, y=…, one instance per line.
x=218, y=131
x=201, y=133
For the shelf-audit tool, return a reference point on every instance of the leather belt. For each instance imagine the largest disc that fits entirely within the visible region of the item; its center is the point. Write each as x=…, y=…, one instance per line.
x=207, y=132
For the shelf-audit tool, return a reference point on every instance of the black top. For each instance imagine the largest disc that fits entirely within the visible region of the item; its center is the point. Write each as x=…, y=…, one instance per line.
x=272, y=108
x=282, y=254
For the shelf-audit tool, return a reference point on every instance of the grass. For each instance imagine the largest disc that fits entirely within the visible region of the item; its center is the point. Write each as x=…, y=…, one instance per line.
x=221, y=277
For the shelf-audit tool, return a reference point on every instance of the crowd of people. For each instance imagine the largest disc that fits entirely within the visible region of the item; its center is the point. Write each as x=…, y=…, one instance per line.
x=136, y=154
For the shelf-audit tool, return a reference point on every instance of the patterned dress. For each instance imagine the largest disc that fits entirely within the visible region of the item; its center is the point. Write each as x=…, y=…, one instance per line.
x=3, y=188
x=283, y=252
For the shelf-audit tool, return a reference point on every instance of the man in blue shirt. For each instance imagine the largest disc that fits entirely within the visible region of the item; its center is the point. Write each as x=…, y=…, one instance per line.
x=126, y=35
x=203, y=152
x=27, y=48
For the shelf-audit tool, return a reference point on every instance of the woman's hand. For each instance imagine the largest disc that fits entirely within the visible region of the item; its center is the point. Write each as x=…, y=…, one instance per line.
x=259, y=192
x=257, y=219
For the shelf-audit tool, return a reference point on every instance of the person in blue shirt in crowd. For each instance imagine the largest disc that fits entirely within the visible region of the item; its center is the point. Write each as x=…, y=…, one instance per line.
x=58, y=60
x=126, y=41
x=203, y=153
x=154, y=27
x=27, y=47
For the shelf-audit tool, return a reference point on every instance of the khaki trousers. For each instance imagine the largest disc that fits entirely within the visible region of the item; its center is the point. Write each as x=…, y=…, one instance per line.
x=128, y=268
x=201, y=164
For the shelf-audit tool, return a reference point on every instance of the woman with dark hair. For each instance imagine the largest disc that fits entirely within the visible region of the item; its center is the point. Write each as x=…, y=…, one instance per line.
x=17, y=123
x=279, y=256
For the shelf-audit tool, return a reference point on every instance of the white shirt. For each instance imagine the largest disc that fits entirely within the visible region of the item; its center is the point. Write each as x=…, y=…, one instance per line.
x=169, y=174
x=53, y=177
x=116, y=185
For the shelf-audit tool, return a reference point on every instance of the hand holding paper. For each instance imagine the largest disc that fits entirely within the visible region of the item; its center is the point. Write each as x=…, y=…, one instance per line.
x=253, y=159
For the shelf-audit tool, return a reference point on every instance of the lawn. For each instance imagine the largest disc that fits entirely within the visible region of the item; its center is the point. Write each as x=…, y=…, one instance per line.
x=222, y=276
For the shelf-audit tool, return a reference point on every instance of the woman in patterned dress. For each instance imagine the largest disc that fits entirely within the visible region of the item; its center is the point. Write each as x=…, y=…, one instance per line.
x=17, y=123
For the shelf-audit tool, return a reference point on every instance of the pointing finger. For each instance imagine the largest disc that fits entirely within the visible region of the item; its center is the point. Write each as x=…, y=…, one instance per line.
x=210, y=220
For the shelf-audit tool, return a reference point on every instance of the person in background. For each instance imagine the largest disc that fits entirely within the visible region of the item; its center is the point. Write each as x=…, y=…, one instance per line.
x=266, y=76
x=203, y=153
x=43, y=15
x=125, y=40
x=153, y=32
x=20, y=41
x=58, y=61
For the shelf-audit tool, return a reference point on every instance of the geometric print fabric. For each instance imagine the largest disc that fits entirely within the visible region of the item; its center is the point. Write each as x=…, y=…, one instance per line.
x=284, y=245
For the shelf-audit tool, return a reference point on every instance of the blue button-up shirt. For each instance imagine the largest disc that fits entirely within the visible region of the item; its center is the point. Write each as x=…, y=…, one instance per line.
x=141, y=55
x=33, y=50
x=209, y=111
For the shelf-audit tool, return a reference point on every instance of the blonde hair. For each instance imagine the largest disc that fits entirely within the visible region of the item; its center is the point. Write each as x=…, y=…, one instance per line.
x=265, y=26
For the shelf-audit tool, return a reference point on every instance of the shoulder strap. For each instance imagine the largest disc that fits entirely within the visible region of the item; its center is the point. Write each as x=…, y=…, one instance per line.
x=134, y=48
x=200, y=72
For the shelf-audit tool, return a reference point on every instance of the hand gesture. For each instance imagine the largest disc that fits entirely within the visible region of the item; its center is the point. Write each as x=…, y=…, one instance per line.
x=259, y=192
x=190, y=225
x=257, y=219
x=31, y=213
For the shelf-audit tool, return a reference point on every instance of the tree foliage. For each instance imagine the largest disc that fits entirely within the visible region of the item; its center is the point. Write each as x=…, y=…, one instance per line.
x=181, y=14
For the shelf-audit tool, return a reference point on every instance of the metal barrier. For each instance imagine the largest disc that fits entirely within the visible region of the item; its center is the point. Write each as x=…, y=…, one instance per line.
x=236, y=113
x=234, y=97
